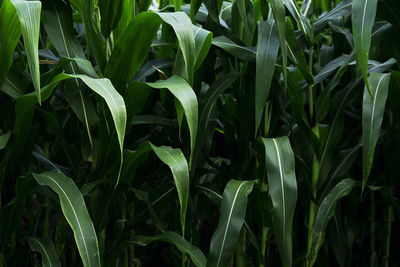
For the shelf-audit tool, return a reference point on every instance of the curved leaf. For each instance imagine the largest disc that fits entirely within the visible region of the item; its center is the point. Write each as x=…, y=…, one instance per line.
x=283, y=190
x=10, y=31
x=372, y=115
x=301, y=20
x=187, y=98
x=183, y=28
x=29, y=17
x=195, y=253
x=75, y=212
x=342, y=9
x=241, y=52
x=325, y=213
x=267, y=52
x=363, y=18
x=46, y=248
x=202, y=39
x=233, y=211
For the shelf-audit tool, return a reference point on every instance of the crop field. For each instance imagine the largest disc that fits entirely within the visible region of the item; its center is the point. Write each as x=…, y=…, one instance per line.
x=207, y=133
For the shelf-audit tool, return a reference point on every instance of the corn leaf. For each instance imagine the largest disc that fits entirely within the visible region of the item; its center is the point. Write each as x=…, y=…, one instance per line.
x=302, y=21
x=283, y=190
x=233, y=211
x=128, y=54
x=183, y=28
x=267, y=52
x=29, y=17
x=372, y=116
x=46, y=248
x=195, y=253
x=363, y=18
x=325, y=213
x=10, y=31
x=75, y=212
x=187, y=98
x=110, y=11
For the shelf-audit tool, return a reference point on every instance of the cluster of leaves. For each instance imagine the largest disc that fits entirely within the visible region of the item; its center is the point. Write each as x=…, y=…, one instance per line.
x=274, y=127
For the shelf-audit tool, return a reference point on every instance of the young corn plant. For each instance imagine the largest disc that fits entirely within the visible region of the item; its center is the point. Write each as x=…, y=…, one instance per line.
x=199, y=133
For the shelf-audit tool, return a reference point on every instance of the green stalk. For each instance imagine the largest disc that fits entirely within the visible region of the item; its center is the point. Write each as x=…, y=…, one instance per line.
x=241, y=249
x=389, y=230
x=314, y=183
x=263, y=245
x=372, y=229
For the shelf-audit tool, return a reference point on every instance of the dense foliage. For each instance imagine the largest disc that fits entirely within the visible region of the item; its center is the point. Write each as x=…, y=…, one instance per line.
x=206, y=133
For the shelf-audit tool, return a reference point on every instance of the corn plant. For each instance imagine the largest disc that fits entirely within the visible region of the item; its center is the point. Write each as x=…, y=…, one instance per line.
x=199, y=133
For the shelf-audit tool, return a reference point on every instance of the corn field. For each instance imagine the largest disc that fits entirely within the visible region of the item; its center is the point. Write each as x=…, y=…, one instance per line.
x=206, y=133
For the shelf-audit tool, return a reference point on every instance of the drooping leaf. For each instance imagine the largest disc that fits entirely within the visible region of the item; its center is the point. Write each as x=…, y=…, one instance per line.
x=202, y=39
x=46, y=248
x=176, y=161
x=283, y=190
x=74, y=210
x=267, y=52
x=233, y=211
x=183, y=28
x=241, y=52
x=341, y=10
x=29, y=17
x=195, y=253
x=363, y=18
x=325, y=213
x=372, y=116
x=187, y=98
x=10, y=31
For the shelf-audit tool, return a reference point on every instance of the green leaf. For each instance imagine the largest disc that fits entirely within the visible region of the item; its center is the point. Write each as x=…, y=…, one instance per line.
x=283, y=190
x=94, y=38
x=372, y=115
x=325, y=213
x=46, y=248
x=241, y=52
x=233, y=211
x=278, y=10
x=195, y=253
x=183, y=28
x=10, y=31
x=4, y=140
x=302, y=21
x=267, y=51
x=176, y=161
x=187, y=98
x=341, y=10
x=75, y=212
x=128, y=54
x=202, y=39
x=110, y=12
x=105, y=89
x=363, y=18
x=29, y=17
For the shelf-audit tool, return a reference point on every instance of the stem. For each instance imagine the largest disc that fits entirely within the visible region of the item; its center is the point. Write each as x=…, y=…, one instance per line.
x=310, y=87
x=389, y=230
x=241, y=249
x=263, y=245
x=372, y=229
x=314, y=183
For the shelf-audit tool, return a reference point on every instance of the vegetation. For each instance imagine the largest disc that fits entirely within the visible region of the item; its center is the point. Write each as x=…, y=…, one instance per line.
x=199, y=133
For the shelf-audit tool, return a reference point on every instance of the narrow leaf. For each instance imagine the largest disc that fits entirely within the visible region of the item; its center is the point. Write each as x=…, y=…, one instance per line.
x=283, y=190
x=75, y=212
x=372, y=115
x=10, y=31
x=46, y=248
x=325, y=213
x=187, y=98
x=267, y=51
x=233, y=211
x=29, y=17
x=363, y=18
x=195, y=253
